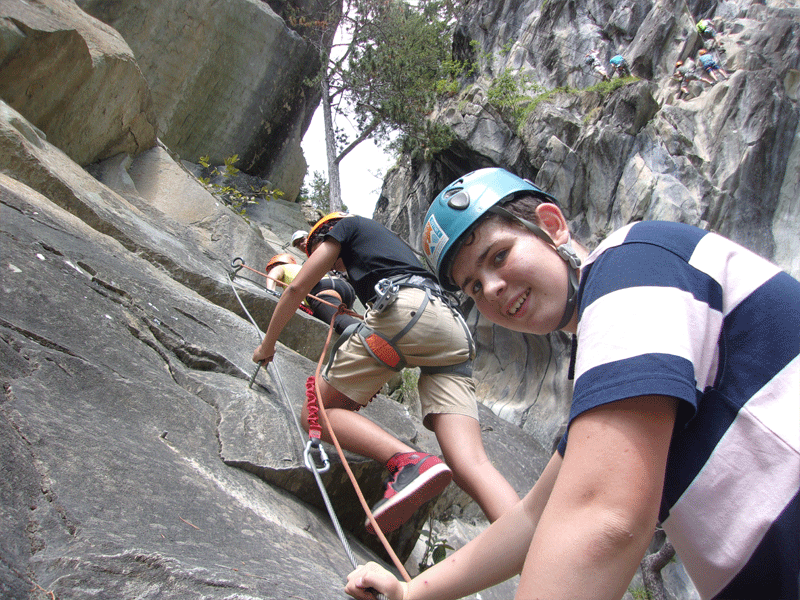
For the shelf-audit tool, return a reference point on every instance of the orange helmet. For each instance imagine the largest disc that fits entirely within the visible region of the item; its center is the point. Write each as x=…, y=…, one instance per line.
x=316, y=230
x=281, y=259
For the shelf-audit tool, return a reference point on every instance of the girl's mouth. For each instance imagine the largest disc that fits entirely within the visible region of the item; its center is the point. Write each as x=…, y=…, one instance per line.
x=520, y=301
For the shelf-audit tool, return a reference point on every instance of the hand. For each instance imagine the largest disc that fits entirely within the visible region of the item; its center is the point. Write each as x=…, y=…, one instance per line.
x=370, y=578
x=263, y=354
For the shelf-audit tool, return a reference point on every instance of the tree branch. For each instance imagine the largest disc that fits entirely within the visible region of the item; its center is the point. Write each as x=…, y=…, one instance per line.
x=364, y=135
x=652, y=564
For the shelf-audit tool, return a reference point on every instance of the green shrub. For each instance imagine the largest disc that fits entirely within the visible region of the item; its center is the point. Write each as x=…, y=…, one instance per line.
x=639, y=593
x=231, y=196
x=510, y=95
x=435, y=548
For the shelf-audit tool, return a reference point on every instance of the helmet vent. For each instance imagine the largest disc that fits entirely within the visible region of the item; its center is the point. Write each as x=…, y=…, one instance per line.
x=459, y=201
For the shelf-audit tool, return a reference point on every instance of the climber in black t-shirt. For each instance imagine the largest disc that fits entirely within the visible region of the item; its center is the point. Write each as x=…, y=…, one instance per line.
x=409, y=322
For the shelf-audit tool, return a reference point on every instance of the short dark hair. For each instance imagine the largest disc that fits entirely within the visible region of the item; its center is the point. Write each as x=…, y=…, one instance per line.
x=525, y=207
x=319, y=234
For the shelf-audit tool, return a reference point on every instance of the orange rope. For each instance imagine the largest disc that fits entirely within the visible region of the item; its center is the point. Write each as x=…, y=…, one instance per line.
x=342, y=309
x=339, y=451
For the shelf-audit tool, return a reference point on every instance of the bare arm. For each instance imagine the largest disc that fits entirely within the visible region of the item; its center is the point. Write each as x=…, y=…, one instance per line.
x=583, y=528
x=603, y=508
x=314, y=269
x=275, y=274
x=492, y=557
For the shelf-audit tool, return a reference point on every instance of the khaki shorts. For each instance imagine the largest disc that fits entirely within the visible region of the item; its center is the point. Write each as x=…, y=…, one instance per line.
x=436, y=339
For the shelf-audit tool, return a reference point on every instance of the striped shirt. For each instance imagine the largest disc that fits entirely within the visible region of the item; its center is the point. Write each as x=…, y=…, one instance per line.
x=669, y=309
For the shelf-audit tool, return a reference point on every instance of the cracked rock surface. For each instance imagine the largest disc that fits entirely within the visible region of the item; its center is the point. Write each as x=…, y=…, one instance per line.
x=136, y=460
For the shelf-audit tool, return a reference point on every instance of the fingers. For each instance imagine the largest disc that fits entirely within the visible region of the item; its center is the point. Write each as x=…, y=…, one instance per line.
x=262, y=358
x=371, y=579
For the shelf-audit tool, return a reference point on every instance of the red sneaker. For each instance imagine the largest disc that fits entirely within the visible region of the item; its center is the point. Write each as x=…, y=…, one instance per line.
x=414, y=478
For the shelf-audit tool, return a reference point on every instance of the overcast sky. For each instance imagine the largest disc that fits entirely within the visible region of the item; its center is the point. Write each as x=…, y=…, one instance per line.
x=360, y=186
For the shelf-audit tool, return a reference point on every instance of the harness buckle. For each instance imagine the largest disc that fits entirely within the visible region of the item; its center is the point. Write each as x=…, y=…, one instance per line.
x=313, y=444
x=386, y=293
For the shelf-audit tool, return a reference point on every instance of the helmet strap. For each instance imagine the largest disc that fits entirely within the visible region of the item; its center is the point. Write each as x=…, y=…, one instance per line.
x=567, y=252
x=532, y=227
x=569, y=309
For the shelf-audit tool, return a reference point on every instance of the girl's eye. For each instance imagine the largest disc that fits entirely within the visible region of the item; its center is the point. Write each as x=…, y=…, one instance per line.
x=476, y=288
x=500, y=257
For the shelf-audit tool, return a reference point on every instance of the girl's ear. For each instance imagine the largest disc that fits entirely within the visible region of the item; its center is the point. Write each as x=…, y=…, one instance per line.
x=553, y=222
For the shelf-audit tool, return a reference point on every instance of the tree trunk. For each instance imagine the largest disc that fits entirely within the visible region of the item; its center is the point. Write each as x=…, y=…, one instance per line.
x=334, y=185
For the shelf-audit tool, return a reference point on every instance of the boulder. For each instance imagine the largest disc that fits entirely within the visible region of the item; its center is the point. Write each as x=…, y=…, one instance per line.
x=75, y=79
x=227, y=78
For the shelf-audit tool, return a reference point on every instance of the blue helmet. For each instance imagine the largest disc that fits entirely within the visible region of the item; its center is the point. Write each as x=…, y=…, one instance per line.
x=456, y=211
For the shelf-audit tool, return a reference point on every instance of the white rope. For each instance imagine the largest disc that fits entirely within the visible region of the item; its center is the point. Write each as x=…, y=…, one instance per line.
x=309, y=463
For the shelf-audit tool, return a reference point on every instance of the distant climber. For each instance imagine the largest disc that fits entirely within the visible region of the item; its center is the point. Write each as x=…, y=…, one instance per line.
x=706, y=29
x=620, y=66
x=710, y=65
x=685, y=73
x=593, y=60
x=708, y=34
x=281, y=267
x=299, y=240
x=331, y=291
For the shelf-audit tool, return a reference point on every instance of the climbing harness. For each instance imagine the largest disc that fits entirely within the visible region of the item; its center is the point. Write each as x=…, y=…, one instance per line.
x=383, y=348
x=386, y=293
x=314, y=445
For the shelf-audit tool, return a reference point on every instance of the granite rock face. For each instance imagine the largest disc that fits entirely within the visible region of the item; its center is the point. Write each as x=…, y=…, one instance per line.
x=58, y=65
x=726, y=160
x=228, y=77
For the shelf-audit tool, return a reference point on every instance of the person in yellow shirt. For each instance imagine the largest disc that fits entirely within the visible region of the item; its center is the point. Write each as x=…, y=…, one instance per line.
x=331, y=291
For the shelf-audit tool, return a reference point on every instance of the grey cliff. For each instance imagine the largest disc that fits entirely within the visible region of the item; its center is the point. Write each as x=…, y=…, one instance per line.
x=137, y=461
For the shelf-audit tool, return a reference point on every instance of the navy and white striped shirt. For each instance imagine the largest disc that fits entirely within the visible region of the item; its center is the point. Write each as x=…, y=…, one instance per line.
x=669, y=309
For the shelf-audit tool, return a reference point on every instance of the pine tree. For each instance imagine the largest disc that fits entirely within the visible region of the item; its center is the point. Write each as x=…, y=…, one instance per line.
x=386, y=75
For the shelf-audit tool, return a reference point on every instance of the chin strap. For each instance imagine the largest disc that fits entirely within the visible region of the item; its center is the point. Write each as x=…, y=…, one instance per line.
x=565, y=251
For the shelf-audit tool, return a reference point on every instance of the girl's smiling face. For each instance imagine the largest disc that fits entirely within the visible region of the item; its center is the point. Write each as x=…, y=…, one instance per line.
x=515, y=278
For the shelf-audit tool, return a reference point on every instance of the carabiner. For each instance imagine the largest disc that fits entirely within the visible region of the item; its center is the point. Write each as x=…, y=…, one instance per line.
x=310, y=464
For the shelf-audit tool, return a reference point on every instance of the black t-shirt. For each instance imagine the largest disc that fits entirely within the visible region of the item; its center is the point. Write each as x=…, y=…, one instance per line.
x=371, y=252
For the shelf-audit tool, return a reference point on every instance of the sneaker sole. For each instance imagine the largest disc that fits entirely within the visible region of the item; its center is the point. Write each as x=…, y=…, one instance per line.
x=402, y=505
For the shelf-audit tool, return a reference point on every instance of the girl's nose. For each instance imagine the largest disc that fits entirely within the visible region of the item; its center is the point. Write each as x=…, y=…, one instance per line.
x=493, y=285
